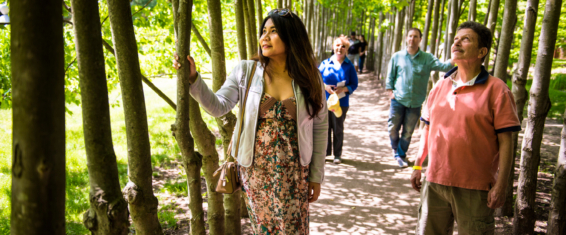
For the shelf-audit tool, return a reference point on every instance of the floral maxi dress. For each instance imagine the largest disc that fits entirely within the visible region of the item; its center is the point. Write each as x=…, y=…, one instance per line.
x=276, y=184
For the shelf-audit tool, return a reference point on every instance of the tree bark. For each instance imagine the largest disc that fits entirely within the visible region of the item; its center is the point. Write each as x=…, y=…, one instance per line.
x=371, y=48
x=108, y=212
x=260, y=16
x=424, y=40
x=505, y=39
x=557, y=216
x=38, y=118
x=192, y=161
x=539, y=105
x=433, y=34
x=203, y=43
x=472, y=11
x=520, y=93
x=379, y=55
x=279, y=4
x=454, y=16
x=241, y=28
x=491, y=22
x=439, y=36
x=252, y=29
x=249, y=33
x=487, y=13
x=397, y=40
x=139, y=191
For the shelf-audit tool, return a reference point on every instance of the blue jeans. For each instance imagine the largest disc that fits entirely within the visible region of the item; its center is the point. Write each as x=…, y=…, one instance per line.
x=399, y=115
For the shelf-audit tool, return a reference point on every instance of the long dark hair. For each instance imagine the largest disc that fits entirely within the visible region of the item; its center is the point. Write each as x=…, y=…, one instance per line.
x=301, y=62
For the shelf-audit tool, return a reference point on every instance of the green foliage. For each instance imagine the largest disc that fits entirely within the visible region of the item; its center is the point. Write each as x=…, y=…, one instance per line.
x=559, y=82
x=5, y=68
x=557, y=98
x=167, y=219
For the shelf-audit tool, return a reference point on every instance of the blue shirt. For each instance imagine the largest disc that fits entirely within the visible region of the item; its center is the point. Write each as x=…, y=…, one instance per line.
x=332, y=76
x=408, y=76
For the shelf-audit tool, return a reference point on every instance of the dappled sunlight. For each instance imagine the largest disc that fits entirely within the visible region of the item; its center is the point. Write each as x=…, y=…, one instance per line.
x=368, y=193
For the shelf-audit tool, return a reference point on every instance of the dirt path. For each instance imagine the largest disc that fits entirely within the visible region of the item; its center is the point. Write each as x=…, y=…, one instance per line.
x=368, y=193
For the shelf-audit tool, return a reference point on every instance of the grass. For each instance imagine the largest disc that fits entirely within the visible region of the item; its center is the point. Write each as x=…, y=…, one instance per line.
x=556, y=92
x=164, y=149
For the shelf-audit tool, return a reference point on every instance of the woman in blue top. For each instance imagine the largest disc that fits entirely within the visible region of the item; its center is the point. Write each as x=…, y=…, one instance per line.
x=340, y=77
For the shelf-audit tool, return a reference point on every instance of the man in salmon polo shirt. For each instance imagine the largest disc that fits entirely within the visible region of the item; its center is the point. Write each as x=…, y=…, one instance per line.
x=470, y=116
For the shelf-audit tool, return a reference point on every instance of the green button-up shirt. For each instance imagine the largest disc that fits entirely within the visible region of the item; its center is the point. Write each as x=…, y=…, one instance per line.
x=408, y=76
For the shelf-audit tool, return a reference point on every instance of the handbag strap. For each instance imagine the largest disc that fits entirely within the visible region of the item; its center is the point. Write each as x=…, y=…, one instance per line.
x=243, y=110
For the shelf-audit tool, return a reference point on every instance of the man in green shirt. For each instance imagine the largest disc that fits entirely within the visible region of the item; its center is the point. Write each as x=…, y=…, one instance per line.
x=406, y=85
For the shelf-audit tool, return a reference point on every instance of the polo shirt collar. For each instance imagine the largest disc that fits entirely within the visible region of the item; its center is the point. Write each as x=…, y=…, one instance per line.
x=480, y=79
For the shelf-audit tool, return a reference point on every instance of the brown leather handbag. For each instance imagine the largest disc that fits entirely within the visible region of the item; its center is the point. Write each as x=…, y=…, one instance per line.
x=229, y=181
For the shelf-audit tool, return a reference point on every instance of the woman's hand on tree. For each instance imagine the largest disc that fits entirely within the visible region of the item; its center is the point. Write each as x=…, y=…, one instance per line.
x=192, y=66
x=314, y=191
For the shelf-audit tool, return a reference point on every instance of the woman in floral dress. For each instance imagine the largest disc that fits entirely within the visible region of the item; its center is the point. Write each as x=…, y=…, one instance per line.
x=283, y=136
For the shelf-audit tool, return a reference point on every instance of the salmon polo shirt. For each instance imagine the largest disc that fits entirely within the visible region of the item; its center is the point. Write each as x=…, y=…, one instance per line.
x=463, y=125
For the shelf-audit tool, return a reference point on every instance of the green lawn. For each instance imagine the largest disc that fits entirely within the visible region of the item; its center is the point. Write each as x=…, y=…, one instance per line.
x=557, y=93
x=163, y=149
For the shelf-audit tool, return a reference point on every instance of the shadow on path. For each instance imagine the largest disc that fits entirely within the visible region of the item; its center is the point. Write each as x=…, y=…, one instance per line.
x=368, y=193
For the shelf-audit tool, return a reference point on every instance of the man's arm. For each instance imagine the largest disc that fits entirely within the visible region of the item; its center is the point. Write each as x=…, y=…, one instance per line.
x=496, y=196
x=421, y=156
x=391, y=75
x=437, y=65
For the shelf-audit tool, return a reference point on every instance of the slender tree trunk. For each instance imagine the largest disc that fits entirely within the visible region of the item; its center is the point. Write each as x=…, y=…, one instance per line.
x=225, y=125
x=447, y=29
x=433, y=34
x=108, y=212
x=241, y=28
x=409, y=14
x=259, y=14
x=203, y=43
x=398, y=40
x=252, y=29
x=38, y=118
x=485, y=19
x=371, y=52
x=472, y=11
x=557, y=217
x=505, y=39
x=192, y=161
x=379, y=46
x=429, y=12
x=539, y=105
x=439, y=35
x=139, y=191
x=520, y=93
x=491, y=22
x=279, y=4
x=249, y=33
x=453, y=24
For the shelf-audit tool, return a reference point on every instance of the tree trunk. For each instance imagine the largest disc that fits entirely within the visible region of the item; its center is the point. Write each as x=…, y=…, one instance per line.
x=491, y=22
x=472, y=11
x=520, y=93
x=439, y=35
x=108, y=212
x=225, y=125
x=454, y=16
x=506, y=39
x=539, y=104
x=252, y=29
x=192, y=161
x=205, y=141
x=279, y=4
x=397, y=40
x=249, y=33
x=447, y=29
x=487, y=13
x=371, y=48
x=424, y=40
x=201, y=39
x=139, y=191
x=557, y=216
x=38, y=118
x=409, y=13
x=241, y=28
x=260, y=16
x=433, y=34
x=379, y=55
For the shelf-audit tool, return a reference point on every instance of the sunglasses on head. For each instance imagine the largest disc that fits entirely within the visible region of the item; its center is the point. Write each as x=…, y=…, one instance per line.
x=281, y=12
